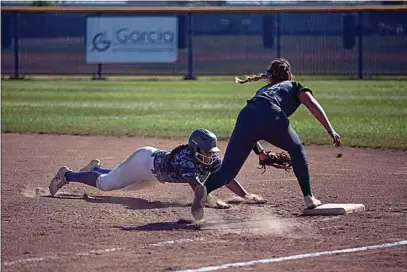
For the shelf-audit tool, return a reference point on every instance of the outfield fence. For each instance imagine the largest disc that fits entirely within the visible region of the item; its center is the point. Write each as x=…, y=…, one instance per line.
x=351, y=41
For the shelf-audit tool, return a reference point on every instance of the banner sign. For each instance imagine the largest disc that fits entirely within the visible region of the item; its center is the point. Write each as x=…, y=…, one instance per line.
x=131, y=39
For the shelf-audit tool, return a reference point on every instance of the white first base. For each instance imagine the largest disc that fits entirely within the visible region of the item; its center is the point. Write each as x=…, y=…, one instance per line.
x=334, y=209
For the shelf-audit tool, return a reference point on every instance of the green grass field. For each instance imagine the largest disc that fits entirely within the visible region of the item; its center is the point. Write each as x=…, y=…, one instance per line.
x=367, y=113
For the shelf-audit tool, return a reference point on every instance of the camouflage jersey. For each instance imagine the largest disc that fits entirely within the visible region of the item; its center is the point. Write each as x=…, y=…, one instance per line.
x=182, y=168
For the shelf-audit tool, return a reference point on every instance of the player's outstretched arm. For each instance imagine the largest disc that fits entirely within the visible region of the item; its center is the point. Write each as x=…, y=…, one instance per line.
x=239, y=190
x=211, y=201
x=316, y=109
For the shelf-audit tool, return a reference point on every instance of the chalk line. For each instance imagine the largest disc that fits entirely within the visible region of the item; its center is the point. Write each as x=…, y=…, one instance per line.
x=94, y=252
x=295, y=257
x=176, y=242
x=55, y=257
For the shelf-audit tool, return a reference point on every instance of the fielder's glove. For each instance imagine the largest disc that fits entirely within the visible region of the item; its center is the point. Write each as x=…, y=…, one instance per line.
x=278, y=160
x=213, y=202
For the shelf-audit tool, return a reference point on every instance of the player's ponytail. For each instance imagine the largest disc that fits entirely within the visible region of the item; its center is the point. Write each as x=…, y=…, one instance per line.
x=251, y=78
x=278, y=70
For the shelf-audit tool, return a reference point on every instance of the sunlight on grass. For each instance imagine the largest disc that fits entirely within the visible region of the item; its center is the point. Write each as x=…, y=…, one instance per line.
x=366, y=113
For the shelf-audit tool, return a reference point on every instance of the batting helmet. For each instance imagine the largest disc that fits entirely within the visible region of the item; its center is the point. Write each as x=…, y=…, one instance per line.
x=203, y=140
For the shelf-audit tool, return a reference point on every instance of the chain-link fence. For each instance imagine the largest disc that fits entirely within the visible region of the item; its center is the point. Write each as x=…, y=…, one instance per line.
x=337, y=41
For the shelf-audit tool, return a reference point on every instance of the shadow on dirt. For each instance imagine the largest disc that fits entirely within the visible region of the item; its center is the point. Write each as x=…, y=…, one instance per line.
x=134, y=203
x=160, y=226
x=128, y=202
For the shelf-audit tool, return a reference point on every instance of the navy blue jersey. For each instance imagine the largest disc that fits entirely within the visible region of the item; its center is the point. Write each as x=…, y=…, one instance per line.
x=285, y=94
x=182, y=168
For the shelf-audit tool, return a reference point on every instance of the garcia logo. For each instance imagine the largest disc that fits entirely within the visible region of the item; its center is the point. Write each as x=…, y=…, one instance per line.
x=125, y=35
x=131, y=39
x=100, y=42
x=125, y=39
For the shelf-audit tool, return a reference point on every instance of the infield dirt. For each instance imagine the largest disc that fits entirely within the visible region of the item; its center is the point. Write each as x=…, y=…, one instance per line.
x=85, y=229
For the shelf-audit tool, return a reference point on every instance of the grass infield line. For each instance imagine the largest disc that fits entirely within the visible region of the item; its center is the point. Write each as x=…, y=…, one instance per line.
x=295, y=257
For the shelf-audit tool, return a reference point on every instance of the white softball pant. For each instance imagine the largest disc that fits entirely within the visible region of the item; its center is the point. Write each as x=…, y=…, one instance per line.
x=135, y=172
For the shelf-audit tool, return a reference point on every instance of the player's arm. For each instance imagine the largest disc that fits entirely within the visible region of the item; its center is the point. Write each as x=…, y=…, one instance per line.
x=316, y=109
x=193, y=182
x=258, y=148
x=239, y=190
x=211, y=201
x=191, y=176
x=260, y=151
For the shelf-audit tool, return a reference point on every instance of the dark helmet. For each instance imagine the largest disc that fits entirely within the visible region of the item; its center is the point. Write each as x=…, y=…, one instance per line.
x=203, y=140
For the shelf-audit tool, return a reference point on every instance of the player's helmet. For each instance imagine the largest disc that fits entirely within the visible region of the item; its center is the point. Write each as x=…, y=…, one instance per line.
x=202, y=140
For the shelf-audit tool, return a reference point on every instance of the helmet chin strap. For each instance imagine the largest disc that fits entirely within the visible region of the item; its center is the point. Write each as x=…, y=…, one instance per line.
x=211, y=159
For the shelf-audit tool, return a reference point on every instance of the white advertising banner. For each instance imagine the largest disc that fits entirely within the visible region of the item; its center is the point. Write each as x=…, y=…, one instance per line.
x=131, y=39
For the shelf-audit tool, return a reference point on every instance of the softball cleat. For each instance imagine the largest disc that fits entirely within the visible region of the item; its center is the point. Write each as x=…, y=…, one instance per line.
x=197, y=208
x=91, y=166
x=59, y=180
x=311, y=202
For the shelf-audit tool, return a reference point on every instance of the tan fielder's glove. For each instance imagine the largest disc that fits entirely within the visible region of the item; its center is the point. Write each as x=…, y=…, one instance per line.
x=213, y=202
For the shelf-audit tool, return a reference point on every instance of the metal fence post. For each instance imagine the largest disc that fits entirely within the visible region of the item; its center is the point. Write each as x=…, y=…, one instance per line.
x=360, y=45
x=278, y=34
x=190, y=74
x=99, y=72
x=16, y=47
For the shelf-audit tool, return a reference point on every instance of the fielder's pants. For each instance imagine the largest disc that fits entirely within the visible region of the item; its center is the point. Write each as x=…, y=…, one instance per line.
x=133, y=173
x=261, y=120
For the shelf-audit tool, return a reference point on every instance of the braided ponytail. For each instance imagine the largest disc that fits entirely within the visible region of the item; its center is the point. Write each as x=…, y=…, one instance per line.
x=278, y=70
x=251, y=78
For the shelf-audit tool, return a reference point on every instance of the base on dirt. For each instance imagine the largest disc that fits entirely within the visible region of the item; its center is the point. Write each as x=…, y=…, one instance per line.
x=334, y=209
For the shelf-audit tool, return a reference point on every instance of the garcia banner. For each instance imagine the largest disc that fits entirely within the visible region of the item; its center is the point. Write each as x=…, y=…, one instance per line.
x=131, y=39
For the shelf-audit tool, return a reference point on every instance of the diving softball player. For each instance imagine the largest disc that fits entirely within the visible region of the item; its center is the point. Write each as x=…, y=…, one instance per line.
x=265, y=117
x=189, y=163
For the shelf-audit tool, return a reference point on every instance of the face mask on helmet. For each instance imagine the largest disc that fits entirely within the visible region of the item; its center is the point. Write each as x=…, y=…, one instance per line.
x=203, y=144
x=206, y=158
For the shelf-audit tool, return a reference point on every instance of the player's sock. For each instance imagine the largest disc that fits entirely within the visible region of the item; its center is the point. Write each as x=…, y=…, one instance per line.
x=88, y=178
x=102, y=170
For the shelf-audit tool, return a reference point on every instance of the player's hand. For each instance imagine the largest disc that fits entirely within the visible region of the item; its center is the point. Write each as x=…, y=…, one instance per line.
x=220, y=204
x=213, y=202
x=336, y=139
x=252, y=198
